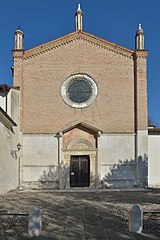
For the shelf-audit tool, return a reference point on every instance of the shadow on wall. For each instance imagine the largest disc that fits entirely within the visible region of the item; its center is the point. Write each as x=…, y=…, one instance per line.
x=59, y=178
x=123, y=174
x=55, y=178
x=95, y=181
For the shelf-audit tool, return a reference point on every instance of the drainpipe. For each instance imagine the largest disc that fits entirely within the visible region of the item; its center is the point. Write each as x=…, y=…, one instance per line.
x=59, y=138
x=19, y=165
x=135, y=119
x=99, y=177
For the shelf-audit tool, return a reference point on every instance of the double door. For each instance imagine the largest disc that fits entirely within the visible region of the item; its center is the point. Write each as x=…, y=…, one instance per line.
x=80, y=171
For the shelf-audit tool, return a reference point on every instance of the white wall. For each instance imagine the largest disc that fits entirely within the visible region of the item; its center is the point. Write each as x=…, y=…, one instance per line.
x=154, y=160
x=119, y=167
x=117, y=161
x=7, y=101
x=8, y=144
x=39, y=159
x=8, y=163
x=3, y=101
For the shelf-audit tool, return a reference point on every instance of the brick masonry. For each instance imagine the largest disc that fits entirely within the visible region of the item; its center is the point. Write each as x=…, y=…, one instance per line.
x=122, y=87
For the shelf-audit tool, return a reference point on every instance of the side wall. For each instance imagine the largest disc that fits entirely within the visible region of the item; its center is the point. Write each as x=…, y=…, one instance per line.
x=9, y=156
x=8, y=160
x=154, y=160
x=119, y=168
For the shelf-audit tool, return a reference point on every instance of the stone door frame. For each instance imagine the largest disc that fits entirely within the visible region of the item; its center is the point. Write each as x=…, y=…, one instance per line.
x=92, y=153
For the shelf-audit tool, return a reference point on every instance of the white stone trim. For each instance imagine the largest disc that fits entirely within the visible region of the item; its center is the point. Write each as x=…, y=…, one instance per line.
x=70, y=79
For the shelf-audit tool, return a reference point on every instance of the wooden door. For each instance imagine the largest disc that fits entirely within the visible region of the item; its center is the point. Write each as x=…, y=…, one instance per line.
x=80, y=171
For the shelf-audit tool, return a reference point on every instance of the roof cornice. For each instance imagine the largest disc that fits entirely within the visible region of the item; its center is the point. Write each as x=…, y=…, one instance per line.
x=140, y=54
x=75, y=36
x=77, y=124
x=154, y=131
x=106, y=44
x=18, y=53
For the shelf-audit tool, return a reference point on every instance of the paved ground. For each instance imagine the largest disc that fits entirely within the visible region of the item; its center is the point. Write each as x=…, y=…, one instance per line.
x=79, y=215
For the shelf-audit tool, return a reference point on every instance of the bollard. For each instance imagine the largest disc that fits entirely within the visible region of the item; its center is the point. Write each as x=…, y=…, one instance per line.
x=136, y=219
x=34, y=222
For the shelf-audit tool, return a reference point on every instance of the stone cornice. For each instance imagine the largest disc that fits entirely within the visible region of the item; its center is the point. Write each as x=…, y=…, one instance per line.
x=78, y=124
x=107, y=45
x=17, y=53
x=140, y=54
x=76, y=36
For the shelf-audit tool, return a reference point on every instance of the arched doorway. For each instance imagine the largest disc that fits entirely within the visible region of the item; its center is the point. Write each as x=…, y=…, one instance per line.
x=80, y=155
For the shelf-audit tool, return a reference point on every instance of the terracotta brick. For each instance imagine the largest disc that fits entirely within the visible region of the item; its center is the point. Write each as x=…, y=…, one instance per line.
x=40, y=78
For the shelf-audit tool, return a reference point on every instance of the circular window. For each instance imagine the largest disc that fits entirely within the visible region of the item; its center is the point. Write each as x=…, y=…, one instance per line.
x=79, y=91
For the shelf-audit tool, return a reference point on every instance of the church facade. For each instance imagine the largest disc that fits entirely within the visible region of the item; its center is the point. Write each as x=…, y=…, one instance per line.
x=83, y=112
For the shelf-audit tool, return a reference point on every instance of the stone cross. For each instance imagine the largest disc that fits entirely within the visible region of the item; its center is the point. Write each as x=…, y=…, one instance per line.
x=34, y=222
x=136, y=219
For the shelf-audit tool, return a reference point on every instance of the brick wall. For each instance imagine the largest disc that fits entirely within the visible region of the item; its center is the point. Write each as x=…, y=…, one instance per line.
x=44, y=111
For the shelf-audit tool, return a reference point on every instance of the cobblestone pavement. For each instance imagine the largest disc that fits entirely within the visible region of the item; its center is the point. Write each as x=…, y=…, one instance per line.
x=79, y=215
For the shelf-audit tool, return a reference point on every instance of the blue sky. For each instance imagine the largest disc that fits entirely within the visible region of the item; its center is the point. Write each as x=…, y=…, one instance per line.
x=116, y=21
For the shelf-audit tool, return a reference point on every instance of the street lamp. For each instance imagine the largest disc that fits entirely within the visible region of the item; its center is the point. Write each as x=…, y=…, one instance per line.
x=19, y=146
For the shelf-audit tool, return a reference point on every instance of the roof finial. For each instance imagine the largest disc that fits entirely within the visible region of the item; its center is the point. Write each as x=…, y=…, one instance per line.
x=19, y=39
x=139, y=43
x=79, y=16
x=139, y=26
x=79, y=8
x=139, y=30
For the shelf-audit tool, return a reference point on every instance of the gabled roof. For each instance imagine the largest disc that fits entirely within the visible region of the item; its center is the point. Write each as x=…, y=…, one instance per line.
x=76, y=36
x=80, y=124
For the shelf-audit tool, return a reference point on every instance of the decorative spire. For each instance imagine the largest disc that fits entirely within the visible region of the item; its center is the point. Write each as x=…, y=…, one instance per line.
x=79, y=8
x=19, y=39
x=139, y=38
x=79, y=18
